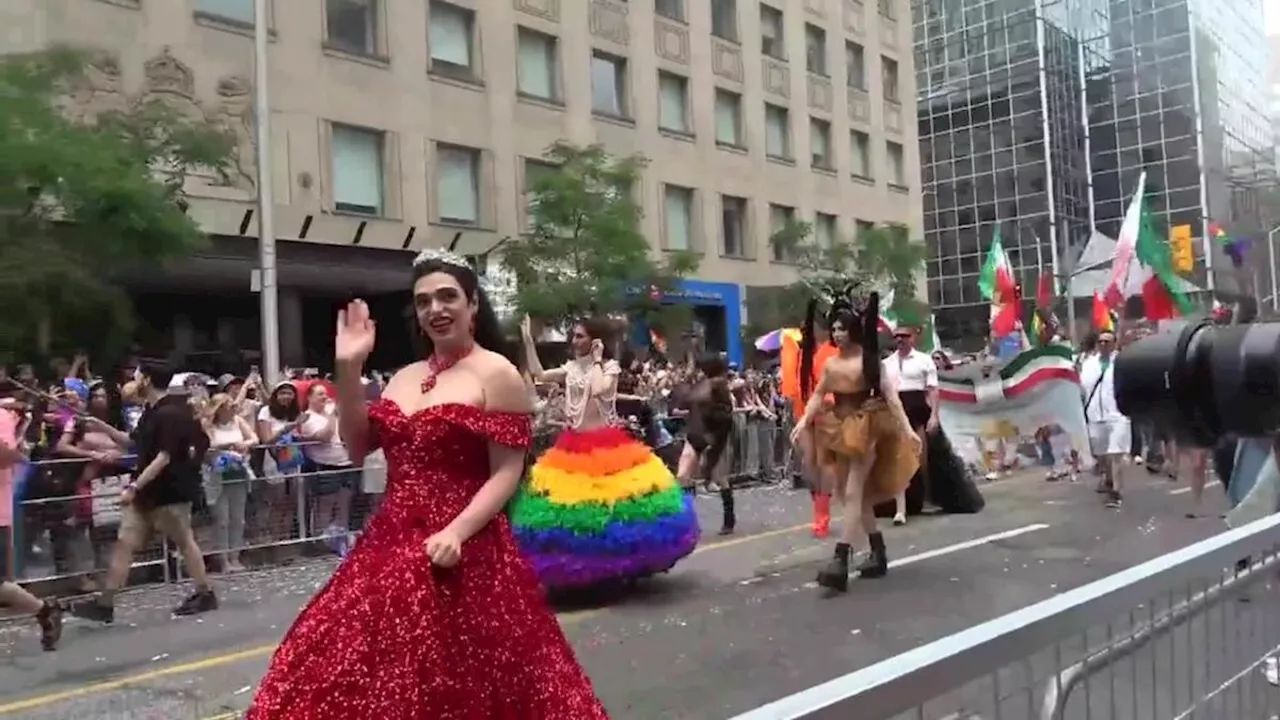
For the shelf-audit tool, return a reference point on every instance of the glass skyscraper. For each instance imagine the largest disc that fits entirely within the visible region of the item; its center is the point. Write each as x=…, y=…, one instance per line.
x=1036, y=118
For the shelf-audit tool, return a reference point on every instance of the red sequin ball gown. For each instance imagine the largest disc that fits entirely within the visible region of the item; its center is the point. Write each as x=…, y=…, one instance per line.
x=391, y=637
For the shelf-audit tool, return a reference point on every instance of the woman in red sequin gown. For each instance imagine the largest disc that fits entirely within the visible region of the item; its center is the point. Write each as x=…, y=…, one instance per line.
x=435, y=615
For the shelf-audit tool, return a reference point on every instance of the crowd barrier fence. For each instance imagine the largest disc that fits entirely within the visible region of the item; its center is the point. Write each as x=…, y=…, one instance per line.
x=1191, y=634
x=61, y=543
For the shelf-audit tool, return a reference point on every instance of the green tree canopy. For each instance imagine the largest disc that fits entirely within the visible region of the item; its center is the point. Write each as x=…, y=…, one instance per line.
x=882, y=257
x=585, y=251
x=81, y=201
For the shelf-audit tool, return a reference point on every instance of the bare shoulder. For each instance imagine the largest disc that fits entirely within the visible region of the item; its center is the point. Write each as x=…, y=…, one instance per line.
x=409, y=376
x=504, y=389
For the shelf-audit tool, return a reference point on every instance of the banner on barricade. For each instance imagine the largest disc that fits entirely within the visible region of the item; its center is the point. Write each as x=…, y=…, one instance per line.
x=105, y=499
x=1025, y=412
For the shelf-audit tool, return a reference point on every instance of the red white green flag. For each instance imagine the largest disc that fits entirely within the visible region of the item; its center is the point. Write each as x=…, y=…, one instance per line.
x=1152, y=275
x=998, y=287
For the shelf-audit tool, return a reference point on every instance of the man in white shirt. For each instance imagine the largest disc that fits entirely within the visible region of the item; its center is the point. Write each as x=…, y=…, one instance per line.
x=1110, y=434
x=917, y=378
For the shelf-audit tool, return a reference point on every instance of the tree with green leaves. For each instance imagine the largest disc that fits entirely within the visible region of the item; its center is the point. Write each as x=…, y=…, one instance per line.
x=81, y=201
x=585, y=251
x=882, y=257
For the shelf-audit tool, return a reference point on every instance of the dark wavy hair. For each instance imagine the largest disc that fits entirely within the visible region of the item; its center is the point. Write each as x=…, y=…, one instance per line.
x=282, y=410
x=713, y=365
x=598, y=327
x=488, y=331
x=861, y=321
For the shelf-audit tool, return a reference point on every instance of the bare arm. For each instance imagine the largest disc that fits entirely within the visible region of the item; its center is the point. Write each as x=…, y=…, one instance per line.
x=504, y=392
x=539, y=374
x=353, y=411
x=815, y=400
x=67, y=445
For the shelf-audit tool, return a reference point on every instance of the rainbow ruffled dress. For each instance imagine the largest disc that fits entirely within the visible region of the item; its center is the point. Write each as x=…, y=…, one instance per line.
x=601, y=506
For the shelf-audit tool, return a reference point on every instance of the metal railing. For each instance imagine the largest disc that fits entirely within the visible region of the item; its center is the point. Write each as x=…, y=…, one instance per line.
x=63, y=541
x=1191, y=634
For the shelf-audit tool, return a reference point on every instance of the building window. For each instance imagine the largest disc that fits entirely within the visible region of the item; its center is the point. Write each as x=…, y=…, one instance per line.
x=820, y=144
x=824, y=230
x=673, y=9
x=889, y=77
x=862, y=227
x=458, y=184
x=673, y=102
x=860, y=144
x=733, y=226
x=897, y=170
x=357, y=169
x=855, y=66
x=352, y=25
x=534, y=171
x=729, y=118
x=724, y=19
x=777, y=132
x=887, y=10
x=450, y=35
x=780, y=217
x=815, y=49
x=608, y=84
x=772, y=38
x=536, y=73
x=677, y=206
x=237, y=10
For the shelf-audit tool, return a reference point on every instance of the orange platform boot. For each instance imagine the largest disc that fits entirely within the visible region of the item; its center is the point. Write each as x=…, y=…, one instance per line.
x=821, y=515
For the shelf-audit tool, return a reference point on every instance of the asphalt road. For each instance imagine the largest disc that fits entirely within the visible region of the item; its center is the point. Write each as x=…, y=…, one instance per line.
x=737, y=625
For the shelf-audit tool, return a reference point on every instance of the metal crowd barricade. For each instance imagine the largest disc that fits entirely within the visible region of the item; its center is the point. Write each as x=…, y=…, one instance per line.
x=69, y=537
x=1192, y=634
x=63, y=542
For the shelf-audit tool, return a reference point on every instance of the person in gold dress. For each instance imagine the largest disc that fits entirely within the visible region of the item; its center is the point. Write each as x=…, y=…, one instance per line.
x=863, y=443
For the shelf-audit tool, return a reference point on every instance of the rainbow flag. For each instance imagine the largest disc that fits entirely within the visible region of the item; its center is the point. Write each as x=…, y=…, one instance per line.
x=601, y=506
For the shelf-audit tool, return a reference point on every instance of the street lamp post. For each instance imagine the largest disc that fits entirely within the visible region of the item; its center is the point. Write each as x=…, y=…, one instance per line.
x=1271, y=260
x=266, y=202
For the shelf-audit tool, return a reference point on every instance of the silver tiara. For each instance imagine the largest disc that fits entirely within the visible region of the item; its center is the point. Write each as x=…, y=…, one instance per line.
x=446, y=255
x=437, y=255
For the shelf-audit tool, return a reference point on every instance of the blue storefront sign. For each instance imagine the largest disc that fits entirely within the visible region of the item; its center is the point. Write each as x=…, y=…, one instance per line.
x=727, y=297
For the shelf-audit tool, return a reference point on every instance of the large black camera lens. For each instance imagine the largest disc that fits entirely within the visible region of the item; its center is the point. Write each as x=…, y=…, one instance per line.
x=1204, y=382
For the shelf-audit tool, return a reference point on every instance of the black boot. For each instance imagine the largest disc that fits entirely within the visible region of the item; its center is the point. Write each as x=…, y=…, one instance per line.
x=836, y=574
x=877, y=563
x=730, y=519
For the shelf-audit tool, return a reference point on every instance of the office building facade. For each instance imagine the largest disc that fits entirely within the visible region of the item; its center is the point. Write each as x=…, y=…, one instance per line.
x=1179, y=90
x=1072, y=101
x=398, y=124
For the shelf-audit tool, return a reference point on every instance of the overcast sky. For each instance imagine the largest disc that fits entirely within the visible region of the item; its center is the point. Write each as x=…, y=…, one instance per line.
x=1271, y=8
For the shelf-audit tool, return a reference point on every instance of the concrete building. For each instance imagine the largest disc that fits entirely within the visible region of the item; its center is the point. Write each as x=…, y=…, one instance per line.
x=399, y=123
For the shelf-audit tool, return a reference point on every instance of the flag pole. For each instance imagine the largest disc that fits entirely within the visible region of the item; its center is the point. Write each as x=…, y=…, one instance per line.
x=270, y=312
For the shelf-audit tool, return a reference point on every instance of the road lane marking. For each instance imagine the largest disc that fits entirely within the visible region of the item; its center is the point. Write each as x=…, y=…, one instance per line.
x=1184, y=490
x=919, y=557
x=266, y=650
x=967, y=544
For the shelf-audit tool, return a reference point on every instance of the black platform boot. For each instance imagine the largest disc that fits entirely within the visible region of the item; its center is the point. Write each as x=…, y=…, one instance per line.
x=836, y=574
x=730, y=518
x=877, y=563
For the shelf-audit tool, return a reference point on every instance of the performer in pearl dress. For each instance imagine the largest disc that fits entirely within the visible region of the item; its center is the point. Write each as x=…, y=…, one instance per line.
x=599, y=506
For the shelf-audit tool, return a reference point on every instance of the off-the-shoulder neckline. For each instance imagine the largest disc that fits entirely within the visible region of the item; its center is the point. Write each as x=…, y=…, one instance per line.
x=429, y=408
